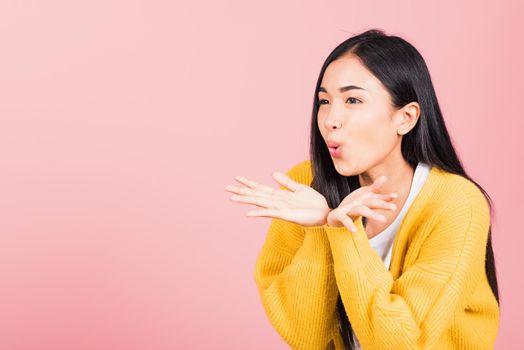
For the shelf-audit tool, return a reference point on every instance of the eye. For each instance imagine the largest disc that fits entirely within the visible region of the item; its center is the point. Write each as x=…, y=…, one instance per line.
x=351, y=99
x=354, y=99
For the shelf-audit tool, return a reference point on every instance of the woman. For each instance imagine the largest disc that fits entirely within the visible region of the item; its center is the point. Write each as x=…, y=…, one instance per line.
x=380, y=240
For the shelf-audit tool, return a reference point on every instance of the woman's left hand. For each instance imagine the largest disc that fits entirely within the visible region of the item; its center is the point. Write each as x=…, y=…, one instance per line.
x=362, y=202
x=301, y=204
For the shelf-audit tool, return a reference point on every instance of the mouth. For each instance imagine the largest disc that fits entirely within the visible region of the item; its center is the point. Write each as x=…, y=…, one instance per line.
x=333, y=144
x=335, y=151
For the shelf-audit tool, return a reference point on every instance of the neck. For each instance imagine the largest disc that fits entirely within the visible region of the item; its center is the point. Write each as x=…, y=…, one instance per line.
x=399, y=177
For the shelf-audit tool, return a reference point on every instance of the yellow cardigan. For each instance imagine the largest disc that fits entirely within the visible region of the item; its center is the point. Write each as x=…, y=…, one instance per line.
x=435, y=295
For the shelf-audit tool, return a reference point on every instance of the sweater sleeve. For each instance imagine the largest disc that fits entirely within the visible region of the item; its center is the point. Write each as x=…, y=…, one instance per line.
x=296, y=282
x=413, y=311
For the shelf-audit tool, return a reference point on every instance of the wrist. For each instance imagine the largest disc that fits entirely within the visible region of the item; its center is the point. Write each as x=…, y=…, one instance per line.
x=332, y=222
x=323, y=221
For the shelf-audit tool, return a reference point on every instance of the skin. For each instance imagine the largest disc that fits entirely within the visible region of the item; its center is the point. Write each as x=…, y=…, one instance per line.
x=370, y=129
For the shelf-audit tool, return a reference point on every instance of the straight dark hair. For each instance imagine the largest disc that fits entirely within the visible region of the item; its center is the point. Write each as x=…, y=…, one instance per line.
x=403, y=72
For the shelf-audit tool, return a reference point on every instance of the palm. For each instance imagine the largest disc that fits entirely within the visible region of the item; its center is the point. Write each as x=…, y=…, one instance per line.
x=300, y=204
x=304, y=206
x=362, y=202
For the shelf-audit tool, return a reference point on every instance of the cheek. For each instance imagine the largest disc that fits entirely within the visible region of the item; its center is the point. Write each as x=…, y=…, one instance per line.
x=373, y=140
x=320, y=120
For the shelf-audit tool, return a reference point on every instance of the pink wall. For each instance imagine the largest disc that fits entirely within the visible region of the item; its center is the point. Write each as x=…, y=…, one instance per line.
x=122, y=122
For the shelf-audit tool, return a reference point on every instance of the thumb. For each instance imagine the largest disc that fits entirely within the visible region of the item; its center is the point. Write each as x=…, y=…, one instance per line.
x=378, y=182
x=286, y=181
x=341, y=214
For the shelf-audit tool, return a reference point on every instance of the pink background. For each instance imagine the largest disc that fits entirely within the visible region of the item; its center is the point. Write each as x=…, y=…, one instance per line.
x=123, y=121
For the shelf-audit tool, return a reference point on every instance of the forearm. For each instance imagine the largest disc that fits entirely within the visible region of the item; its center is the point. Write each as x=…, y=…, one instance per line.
x=299, y=292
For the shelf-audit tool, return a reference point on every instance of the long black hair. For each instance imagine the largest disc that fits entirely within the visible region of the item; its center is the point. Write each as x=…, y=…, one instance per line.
x=403, y=72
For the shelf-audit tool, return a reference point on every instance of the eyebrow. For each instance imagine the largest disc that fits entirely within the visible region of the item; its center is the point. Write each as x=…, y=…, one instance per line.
x=343, y=88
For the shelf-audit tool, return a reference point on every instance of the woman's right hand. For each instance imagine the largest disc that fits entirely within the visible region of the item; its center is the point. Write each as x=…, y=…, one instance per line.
x=298, y=203
x=359, y=203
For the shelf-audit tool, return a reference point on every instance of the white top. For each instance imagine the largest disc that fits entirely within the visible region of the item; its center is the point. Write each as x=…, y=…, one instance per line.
x=382, y=243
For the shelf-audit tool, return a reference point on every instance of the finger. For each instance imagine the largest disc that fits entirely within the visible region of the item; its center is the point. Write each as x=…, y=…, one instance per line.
x=266, y=213
x=234, y=189
x=364, y=211
x=258, y=186
x=370, y=214
x=378, y=183
x=258, y=201
x=349, y=224
x=386, y=196
x=377, y=203
x=286, y=181
x=345, y=220
x=248, y=191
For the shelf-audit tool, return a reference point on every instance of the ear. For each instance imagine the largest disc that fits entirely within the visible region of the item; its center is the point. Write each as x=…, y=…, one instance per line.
x=408, y=117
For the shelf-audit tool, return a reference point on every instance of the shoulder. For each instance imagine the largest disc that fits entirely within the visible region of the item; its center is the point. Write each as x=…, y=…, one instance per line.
x=457, y=193
x=301, y=172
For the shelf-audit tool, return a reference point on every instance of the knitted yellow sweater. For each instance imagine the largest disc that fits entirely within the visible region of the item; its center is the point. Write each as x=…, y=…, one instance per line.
x=436, y=294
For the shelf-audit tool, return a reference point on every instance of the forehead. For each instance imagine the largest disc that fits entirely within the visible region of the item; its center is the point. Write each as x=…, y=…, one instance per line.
x=348, y=70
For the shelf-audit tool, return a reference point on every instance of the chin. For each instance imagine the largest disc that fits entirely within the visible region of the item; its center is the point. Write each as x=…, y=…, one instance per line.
x=343, y=168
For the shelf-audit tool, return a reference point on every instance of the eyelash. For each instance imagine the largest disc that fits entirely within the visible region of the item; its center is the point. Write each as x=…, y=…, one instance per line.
x=320, y=101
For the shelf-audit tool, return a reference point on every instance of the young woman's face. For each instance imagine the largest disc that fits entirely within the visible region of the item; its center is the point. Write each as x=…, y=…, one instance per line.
x=365, y=120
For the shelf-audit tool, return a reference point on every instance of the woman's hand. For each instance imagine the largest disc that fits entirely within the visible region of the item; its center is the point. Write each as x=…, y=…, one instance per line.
x=301, y=204
x=359, y=203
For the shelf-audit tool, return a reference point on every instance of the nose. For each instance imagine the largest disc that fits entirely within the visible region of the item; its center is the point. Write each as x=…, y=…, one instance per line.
x=332, y=122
